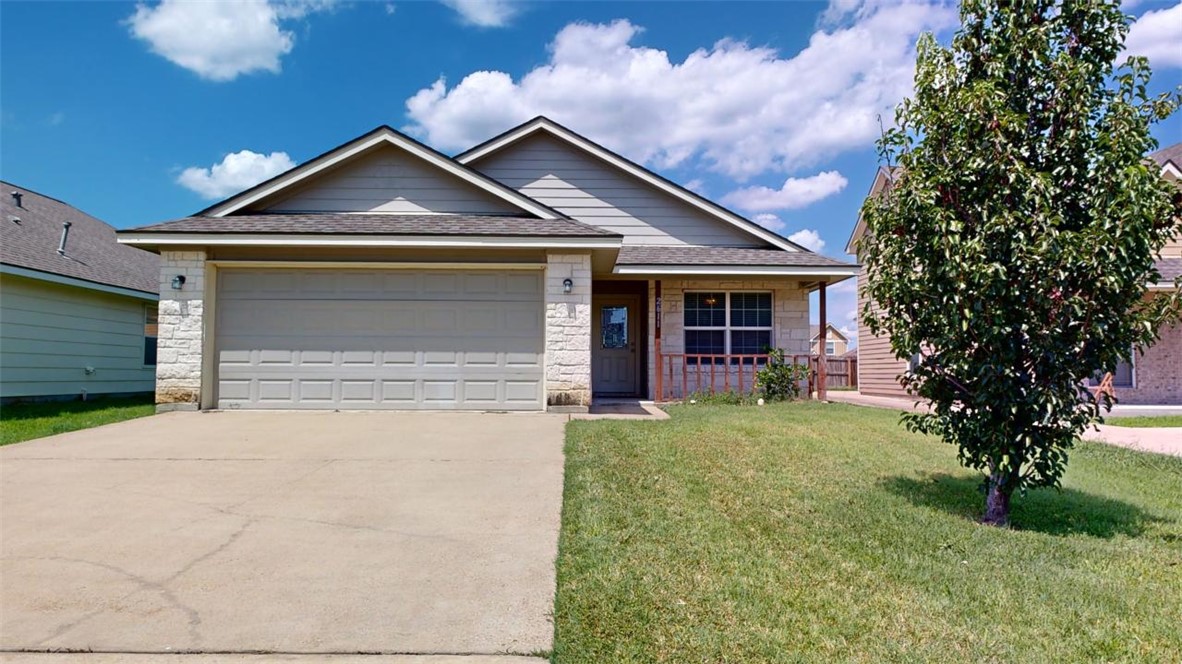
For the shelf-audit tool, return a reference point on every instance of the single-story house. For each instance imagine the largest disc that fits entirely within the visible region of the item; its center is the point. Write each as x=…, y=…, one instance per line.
x=1152, y=377
x=77, y=309
x=836, y=343
x=535, y=270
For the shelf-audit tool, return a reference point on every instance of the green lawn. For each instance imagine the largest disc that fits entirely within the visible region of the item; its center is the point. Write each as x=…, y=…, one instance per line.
x=826, y=532
x=1141, y=422
x=34, y=420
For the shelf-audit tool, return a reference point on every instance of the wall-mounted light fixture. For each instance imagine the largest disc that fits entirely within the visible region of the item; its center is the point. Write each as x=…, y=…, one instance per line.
x=178, y=282
x=567, y=286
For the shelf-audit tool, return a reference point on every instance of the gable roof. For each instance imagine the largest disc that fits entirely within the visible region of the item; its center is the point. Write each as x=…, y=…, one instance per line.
x=552, y=128
x=383, y=135
x=882, y=179
x=815, y=331
x=1170, y=159
x=92, y=254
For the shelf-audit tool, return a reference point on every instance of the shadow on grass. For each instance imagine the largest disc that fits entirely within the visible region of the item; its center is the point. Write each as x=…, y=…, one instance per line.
x=41, y=409
x=1049, y=511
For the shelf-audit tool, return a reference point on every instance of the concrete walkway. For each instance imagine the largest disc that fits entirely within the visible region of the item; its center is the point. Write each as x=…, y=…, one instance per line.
x=1159, y=440
x=287, y=533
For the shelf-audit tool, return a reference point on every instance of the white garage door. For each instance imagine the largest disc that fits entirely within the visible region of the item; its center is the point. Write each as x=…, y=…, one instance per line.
x=380, y=339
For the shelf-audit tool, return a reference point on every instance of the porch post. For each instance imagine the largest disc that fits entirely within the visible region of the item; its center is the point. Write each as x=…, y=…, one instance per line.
x=658, y=363
x=822, y=358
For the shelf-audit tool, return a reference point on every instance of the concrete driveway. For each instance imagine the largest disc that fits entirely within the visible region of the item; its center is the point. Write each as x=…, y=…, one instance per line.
x=284, y=533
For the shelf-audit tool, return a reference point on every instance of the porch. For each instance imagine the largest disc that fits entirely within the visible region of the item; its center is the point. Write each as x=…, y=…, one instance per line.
x=668, y=338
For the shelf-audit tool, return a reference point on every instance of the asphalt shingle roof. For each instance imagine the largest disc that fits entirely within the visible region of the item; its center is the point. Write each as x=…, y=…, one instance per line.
x=379, y=224
x=92, y=254
x=1169, y=153
x=1170, y=269
x=686, y=255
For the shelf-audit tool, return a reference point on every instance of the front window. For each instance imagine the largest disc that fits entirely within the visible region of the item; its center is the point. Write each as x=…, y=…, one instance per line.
x=1122, y=377
x=722, y=323
x=151, y=325
x=831, y=348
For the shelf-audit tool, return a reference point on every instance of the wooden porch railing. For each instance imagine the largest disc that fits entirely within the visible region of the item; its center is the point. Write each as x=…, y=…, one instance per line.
x=681, y=375
x=684, y=374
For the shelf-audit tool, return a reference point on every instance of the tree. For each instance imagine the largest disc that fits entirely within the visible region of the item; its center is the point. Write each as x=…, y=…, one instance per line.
x=1011, y=253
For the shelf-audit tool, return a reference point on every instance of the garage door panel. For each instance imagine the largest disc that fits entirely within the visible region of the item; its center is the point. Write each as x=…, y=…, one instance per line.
x=380, y=339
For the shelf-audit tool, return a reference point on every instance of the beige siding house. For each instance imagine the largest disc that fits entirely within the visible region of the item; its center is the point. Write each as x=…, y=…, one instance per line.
x=77, y=309
x=1153, y=377
x=536, y=270
x=836, y=343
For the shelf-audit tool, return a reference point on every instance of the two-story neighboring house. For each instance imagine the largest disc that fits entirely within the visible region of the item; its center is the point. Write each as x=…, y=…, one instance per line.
x=1152, y=377
x=836, y=343
x=535, y=270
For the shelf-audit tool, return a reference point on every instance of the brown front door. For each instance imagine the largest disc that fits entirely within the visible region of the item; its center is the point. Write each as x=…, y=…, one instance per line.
x=615, y=362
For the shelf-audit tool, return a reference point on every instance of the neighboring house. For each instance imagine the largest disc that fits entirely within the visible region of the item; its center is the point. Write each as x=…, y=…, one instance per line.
x=77, y=309
x=535, y=270
x=836, y=343
x=1153, y=377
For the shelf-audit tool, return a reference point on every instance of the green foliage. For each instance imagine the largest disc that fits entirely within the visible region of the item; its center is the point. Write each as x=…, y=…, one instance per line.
x=1012, y=250
x=25, y=421
x=781, y=380
x=723, y=398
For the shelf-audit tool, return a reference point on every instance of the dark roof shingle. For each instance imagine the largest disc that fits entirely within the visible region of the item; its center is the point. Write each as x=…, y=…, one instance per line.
x=379, y=224
x=92, y=253
x=688, y=255
x=1170, y=269
x=1169, y=153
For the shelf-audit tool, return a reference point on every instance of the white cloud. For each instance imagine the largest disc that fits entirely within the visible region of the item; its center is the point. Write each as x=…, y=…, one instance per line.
x=769, y=221
x=794, y=194
x=484, y=13
x=220, y=41
x=741, y=109
x=236, y=172
x=1157, y=35
x=809, y=239
x=55, y=119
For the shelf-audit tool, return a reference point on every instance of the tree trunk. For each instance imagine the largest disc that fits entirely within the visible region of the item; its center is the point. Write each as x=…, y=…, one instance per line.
x=997, y=501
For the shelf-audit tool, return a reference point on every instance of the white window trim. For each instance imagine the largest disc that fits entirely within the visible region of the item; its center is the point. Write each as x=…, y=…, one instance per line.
x=726, y=338
x=830, y=343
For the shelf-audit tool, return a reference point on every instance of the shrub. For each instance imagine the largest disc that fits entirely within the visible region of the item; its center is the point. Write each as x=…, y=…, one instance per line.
x=780, y=380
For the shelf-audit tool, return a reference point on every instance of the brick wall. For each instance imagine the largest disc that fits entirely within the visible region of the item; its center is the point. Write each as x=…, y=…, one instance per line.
x=181, y=331
x=1158, y=373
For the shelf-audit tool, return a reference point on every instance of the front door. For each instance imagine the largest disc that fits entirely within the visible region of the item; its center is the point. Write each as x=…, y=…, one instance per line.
x=615, y=361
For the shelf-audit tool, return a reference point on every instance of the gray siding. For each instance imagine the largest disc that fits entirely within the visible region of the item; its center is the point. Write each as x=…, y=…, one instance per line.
x=596, y=193
x=388, y=180
x=49, y=334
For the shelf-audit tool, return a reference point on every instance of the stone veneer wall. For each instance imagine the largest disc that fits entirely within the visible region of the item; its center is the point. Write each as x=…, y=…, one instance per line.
x=790, y=318
x=181, y=331
x=568, y=331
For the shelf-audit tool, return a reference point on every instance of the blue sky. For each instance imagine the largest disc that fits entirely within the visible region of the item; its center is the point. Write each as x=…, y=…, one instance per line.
x=142, y=113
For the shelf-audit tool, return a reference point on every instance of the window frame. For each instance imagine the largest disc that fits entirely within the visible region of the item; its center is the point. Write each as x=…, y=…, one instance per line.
x=1131, y=385
x=727, y=328
x=147, y=310
x=831, y=343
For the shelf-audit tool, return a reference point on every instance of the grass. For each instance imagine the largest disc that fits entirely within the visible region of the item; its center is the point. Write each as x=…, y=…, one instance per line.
x=826, y=532
x=1146, y=421
x=25, y=421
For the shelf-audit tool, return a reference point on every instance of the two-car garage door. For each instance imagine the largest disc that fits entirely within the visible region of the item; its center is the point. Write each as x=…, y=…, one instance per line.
x=380, y=339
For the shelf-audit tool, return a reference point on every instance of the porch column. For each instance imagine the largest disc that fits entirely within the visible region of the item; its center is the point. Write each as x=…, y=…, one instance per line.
x=658, y=362
x=822, y=358
x=568, y=332
x=180, y=334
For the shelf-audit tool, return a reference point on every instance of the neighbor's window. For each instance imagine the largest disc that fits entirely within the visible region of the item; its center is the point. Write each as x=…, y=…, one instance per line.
x=151, y=325
x=723, y=323
x=831, y=348
x=1122, y=377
